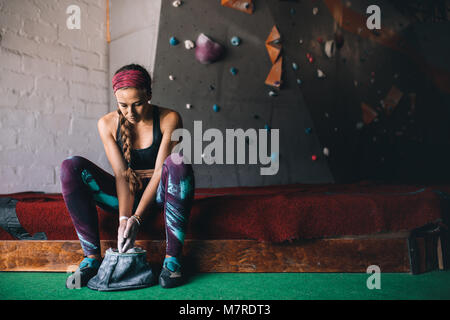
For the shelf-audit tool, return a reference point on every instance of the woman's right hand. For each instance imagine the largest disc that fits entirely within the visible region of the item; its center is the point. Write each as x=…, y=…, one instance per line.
x=120, y=232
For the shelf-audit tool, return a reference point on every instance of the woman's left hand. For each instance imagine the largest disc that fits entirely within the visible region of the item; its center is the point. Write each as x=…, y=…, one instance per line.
x=130, y=234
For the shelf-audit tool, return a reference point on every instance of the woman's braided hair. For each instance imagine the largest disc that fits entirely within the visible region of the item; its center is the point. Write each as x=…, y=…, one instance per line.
x=127, y=133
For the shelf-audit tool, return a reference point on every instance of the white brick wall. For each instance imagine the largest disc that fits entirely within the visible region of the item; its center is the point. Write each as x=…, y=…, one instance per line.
x=53, y=88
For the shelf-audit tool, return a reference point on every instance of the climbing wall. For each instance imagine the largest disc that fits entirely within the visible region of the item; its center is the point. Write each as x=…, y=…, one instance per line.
x=351, y=103
x=245, y=101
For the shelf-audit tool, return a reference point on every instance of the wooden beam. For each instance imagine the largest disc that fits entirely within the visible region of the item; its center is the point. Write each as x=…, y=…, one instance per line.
x=322, y=255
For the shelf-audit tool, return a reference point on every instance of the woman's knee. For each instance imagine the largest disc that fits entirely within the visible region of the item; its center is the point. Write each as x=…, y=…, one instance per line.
x=175, y=160
x=71, y=166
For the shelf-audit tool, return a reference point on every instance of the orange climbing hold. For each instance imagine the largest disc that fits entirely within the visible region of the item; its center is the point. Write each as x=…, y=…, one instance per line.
x=241, y=5
x=272, y=44
x=274, y=77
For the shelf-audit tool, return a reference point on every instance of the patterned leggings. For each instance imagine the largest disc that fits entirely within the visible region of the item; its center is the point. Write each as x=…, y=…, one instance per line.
x=85, y=185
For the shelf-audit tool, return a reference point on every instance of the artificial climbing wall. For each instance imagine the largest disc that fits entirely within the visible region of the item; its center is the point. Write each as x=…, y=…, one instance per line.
x=378, y=106
x=243, y=98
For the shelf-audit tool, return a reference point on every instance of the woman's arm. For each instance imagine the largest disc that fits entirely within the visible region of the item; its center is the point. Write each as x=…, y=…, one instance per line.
x=171, y=122
x=126, y=200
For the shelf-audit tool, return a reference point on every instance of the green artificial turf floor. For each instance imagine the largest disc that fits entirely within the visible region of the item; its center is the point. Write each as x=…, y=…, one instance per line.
x=240, y=286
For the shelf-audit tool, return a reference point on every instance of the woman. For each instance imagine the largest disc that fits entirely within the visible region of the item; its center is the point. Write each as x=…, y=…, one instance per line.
x=136, y=138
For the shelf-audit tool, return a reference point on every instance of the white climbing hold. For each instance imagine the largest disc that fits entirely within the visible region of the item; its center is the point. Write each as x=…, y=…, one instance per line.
x=320, y=73
x=188, y=106
x=176, y=3
x=330, y=48
x=171, y=77
x=189, y=44
x=326, y=152
x=315, y=10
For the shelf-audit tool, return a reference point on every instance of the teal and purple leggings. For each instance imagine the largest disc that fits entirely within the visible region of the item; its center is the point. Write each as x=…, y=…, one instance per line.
x=85, y=185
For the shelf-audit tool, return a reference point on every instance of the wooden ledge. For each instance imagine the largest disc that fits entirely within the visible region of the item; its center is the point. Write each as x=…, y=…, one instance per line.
x=322, y=255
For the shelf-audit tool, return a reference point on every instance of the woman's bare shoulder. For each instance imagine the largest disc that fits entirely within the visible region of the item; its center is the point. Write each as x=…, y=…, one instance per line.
x=110, y=122
x=168, y=116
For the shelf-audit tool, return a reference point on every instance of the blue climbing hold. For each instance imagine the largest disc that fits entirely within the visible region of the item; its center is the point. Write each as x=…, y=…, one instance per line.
x=174, y=41
x=233, y=71
x=299, y=81
x=267, y=127
x=308, y=130
x=294, y=66
x=235, y=41
x=216, y=108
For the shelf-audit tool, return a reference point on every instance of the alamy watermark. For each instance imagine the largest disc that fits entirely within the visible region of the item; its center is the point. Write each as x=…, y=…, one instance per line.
x=374, y=20
x=74, y=20
x=374, y=281
x=251, y=142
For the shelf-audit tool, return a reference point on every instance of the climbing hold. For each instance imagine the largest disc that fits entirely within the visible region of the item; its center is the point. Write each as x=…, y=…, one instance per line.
x=309, y=57
x=267, y=127
x=292, y=11
x=216, y=108
x=235, y=41
x=315, y=10
x=273, y=45
x=233, y=71
x=189, y=44
x=301, y=41
x=326, y=152
x=208, y=51
x=320, y=73
x=176, y=3
x=294, y=66
x=171, y=77
x=211, y=87
x=368, y=114
x=188, y=106
x=313, y=157
x=392, y=99
x=274, y=76
x=299, y=81
x=273, y=93
x=320, y=40
x=327, y=115
x=308, y=130
x=241, y=5
x=174, y=41
x=330, y=48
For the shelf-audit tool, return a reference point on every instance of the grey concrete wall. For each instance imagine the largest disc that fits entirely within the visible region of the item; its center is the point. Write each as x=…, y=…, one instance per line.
x=53, y=88
x=134, y=35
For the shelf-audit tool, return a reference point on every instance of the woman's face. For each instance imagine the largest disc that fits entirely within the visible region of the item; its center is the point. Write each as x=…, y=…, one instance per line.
x=133, y=103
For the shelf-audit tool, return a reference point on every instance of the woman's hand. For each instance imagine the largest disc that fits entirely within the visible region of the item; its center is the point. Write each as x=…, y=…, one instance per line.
x=127, y=233
x=120, y=238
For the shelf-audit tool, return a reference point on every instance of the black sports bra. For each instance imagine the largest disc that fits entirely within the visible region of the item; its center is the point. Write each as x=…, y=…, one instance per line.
x=144, y=158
